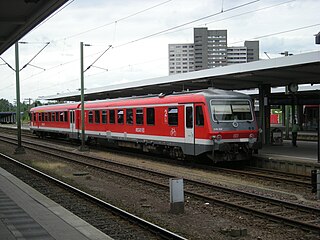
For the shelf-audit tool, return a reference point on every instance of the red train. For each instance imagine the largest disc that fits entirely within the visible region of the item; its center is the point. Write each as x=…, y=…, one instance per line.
x=217, y=123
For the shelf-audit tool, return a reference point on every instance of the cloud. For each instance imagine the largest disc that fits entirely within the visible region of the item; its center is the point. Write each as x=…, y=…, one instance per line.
x=99, y=23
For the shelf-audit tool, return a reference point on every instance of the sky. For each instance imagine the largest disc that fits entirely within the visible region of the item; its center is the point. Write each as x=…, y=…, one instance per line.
x=139, y=33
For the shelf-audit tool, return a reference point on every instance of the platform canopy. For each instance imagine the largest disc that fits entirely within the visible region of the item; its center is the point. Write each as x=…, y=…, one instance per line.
x=298, y=69
x=18, y=17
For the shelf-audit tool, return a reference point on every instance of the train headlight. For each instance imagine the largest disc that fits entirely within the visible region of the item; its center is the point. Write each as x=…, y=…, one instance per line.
x=251, y=138
x=219, y=137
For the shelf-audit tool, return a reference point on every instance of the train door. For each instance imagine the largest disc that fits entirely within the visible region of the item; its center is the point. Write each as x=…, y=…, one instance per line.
x=73, y=133
x=189, y=128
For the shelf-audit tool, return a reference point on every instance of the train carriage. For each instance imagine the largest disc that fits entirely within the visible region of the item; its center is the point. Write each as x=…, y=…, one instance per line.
x=212, y=122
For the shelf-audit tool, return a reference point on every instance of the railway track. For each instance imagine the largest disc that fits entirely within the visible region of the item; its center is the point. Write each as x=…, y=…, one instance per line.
x=267, y=176
x=112, y=220
x=274, y=177
x=297, y=215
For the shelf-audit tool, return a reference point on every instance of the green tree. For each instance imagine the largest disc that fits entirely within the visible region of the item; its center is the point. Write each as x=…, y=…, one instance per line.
x=5, y=106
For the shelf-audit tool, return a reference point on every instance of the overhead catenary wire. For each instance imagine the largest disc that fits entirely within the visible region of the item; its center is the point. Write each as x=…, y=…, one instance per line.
x=157, y=34
x=115, y=21
x=98, y=58
x=281, y=32
x=144, y=37
x=187, y=23
x=54, y=14
x=28, y=63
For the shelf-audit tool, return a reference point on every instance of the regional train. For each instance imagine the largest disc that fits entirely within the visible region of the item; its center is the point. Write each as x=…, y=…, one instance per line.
x=212, y=122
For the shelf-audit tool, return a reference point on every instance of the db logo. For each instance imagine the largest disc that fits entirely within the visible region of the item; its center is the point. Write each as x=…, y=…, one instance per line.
x=173, y=132
x=236, y=135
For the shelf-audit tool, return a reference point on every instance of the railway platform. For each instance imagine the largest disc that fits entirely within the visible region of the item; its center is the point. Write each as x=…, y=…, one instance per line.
x=27, y=214
x=285, y=157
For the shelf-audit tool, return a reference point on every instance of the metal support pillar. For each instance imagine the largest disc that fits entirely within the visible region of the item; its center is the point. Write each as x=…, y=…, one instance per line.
x=264, y=112
x=319, y=133
x=20, y=149
x=83, y=147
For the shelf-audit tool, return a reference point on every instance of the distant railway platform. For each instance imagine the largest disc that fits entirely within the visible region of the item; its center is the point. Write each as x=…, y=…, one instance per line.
x=285, y=157
x=27, y=214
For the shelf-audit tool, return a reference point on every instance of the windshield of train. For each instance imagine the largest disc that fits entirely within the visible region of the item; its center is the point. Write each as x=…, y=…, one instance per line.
x=231, y=110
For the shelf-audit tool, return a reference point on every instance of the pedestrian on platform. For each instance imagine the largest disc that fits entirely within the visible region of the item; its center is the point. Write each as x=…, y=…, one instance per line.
x=294, y=131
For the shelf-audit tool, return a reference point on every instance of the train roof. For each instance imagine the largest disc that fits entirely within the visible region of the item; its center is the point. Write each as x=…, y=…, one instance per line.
x=163, y=98
x=56, y=107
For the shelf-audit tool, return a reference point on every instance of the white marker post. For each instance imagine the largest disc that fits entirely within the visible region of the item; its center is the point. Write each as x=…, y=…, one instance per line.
x=318, y=184
x=176, y=196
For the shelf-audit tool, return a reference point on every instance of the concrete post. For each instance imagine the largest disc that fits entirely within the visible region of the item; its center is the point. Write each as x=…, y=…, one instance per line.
x=176, y=196
x=264, y=112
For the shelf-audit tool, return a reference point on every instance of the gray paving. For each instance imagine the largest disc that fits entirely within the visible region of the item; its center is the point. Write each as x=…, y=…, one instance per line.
x=27, y=214
x=306, y=151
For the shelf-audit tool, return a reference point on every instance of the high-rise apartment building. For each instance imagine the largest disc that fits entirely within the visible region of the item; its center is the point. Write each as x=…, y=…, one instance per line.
x=236, y=55
x=209, y=50
x=252, y=50
x=181, y=58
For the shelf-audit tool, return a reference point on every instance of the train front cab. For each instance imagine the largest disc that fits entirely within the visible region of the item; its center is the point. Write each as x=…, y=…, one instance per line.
x=234, y=129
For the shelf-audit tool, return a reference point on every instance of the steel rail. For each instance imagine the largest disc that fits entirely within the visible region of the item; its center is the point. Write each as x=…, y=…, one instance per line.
x=304, y=225
x=124, y=214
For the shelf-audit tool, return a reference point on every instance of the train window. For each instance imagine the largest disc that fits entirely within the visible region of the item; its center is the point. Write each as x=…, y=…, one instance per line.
x=90, y=117
x=46, y=117
x=189, y=117
x=120, y=116
x=34, y=117
x=150, y=116
x=42, y=116
x=139, y=116
x=53, y=117
x=66, y=116
x=104, y=116
x=57, y=116
x=224, y=110
x=173, y=116
x=112, y=116
x=199, y=116
x=61, y=116
x=129, y=116
x=97, y=116
x=71, y=116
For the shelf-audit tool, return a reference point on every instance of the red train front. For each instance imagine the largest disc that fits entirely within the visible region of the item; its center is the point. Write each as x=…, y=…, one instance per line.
x=216, y=123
